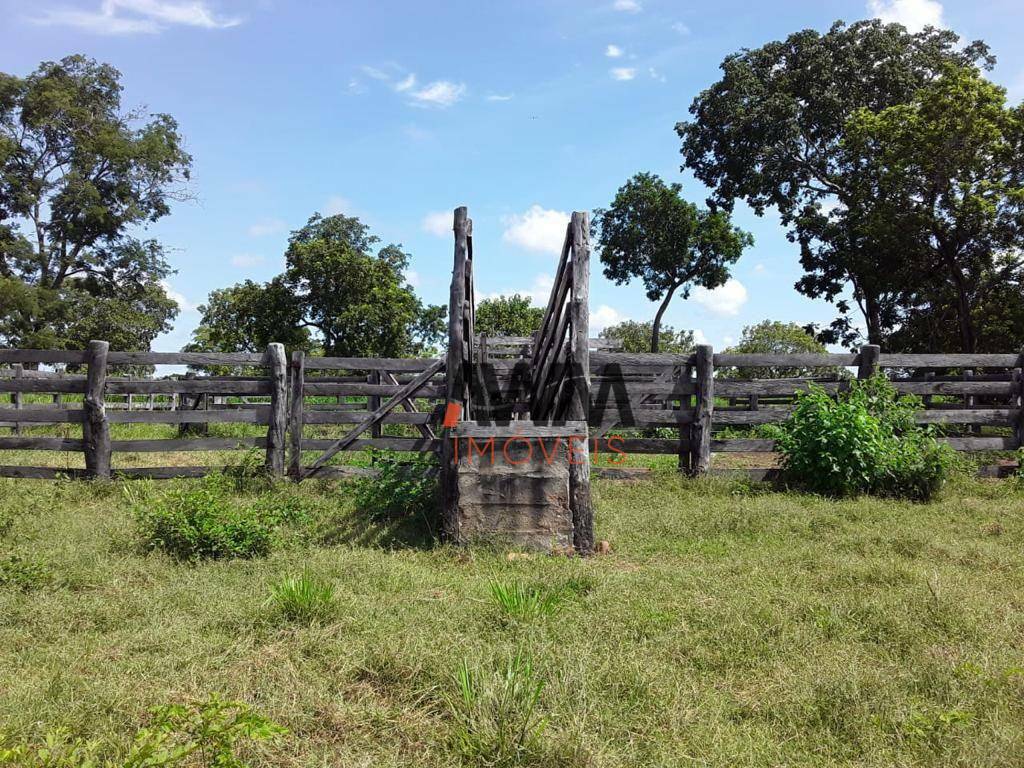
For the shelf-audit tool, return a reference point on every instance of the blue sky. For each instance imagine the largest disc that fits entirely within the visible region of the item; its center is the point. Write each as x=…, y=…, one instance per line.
x=397, y=112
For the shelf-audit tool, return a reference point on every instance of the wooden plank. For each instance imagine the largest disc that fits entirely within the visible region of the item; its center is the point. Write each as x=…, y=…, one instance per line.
x=700, y=431
x=520, y=429
x=277, y=423
x=296, y=419
x=41, y=473
x=95, y=426
x=408, y=364
x=799, y=360
x=19, y=385
x=742, y=445
x=638, y=360
x=44, y=415
x=641, y=417
x=354, y=417
x=40, y=444
x=412, y=411
x=760, y=387
x=16, y=399
x=407, y=391
x=170, y=445
x=44, y=356
x=190, y=387
x=312, y=389
x=992, y=416
x=996, y=388
x=407, y=444
x=258, y=415
x=559, y=286
x=198, y=359
x=615, y=445
x=980, y=443
x=949, y=361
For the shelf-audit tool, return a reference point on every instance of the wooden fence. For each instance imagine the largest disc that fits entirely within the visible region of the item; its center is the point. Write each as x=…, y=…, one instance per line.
x=699, y=404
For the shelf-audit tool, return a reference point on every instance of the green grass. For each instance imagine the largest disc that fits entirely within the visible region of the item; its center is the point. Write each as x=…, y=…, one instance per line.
x=728, y=627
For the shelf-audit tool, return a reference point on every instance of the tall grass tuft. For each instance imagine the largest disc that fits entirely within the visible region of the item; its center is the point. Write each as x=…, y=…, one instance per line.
x=496, y=714
x=525, y=602
x=303, y=599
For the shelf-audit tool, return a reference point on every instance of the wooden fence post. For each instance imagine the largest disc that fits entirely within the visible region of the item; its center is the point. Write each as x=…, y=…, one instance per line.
x=700, y=432
x=579, y=402
x=867, y=361
x=95, y=428
x=295, y=421
x=19, y=371
x=277, y=426
x=1020, y=400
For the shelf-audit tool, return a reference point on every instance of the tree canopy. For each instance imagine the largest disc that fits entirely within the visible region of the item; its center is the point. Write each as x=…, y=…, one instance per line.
x=636, y=337
x=652, y=234
x=507, y=316
x=773, y=132
x=77, y=173
x=774, y=337
x=335, y=295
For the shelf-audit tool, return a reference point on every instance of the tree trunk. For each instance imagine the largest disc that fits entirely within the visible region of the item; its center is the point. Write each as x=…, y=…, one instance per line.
x=656, y=326
x=963, y=304
x=873, y=318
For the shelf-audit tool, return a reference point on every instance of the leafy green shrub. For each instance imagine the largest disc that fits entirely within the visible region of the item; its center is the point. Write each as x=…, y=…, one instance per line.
x=205, y=520
x=525, y=602
x=23, y=574
x=207, y=735
x=404, y=487
x=862, y=441
x=496, y=716
x=303, y=599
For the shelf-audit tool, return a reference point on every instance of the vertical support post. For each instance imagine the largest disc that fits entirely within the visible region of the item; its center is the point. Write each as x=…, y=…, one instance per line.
x=867, y=361
x=19, y=372
x=295, y=420
x=1020, y=399
x=700, y=432
x=454, y=372
x=579, y=369
x=277, y=372
x=95, y=428
x=373, y=401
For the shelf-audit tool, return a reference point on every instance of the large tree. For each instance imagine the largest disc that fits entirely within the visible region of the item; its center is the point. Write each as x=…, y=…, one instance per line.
x=774, y=337
x=651, y=233
x=77, y=174
x=336, y=294
x=636, y=337
x=947, y=173
x=771, y=132
x=511, y=315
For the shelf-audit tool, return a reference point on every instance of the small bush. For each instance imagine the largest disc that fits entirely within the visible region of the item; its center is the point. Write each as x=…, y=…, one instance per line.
x=497, y=722
x=525, y=602
x=863, y=441
x=403, y=487
x=23, y=574
x=303, y=599
x=205, y=520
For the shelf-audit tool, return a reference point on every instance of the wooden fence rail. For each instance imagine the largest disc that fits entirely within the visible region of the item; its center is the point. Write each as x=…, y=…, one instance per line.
x=691, y=405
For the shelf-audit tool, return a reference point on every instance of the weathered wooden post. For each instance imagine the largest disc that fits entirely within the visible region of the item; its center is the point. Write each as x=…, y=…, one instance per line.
x=19, y=372
x=579, y=402
x=867, y=361
x=700, y=432
x=277, y=372
x=95, y=428
x=455, y=394
x=295, y=420
x=1020, y=399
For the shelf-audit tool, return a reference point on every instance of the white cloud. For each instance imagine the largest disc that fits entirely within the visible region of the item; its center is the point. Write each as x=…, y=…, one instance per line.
x=623, y=73
x=628, y=6
x=246, y=260
x=725, y=300
x=604, y=316
x=699, y=337
x=500, y=97
x=440, y=93
x=406, y=83
x=183, y=304
x=680, y=28
x=126, y=17
x=539, y=229
x=337, y=204
x=613, y=52
x=915, y=15
x=266, y=227
x=438, y=223
x=656, y=75
x=759, y=268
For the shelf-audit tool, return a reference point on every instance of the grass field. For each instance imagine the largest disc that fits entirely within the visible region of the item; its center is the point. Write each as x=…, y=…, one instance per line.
x=728, y=627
